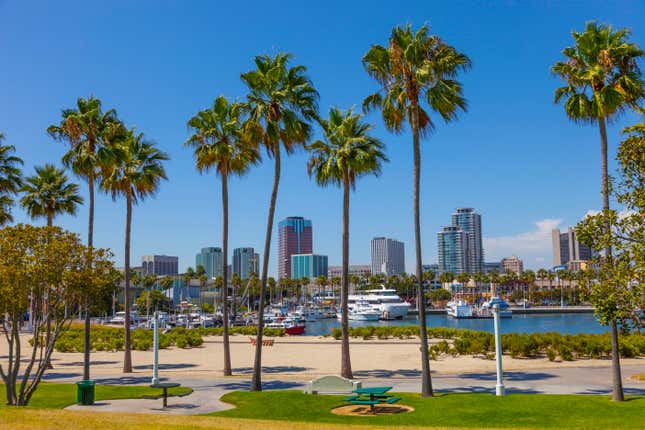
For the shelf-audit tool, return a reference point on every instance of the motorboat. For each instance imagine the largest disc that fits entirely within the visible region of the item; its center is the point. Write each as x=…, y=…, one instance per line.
x=459, y=309
x=360, y=310
x=290, y=326
x=504, y=310
x=383, y=300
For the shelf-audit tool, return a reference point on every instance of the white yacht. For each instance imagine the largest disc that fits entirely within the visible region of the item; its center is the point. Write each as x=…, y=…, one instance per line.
x=459, y=309
x=360, y=310
x=383, y=300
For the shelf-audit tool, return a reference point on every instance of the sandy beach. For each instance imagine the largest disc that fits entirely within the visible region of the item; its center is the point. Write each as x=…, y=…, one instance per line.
x=301, y=358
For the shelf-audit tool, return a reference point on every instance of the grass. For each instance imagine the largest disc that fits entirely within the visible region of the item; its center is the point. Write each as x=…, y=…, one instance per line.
x=50, y=395
x=530, y=411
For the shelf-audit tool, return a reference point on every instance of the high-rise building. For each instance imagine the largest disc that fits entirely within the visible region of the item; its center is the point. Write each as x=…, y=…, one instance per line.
x=496, y=266
x=471, y=223
x=295, y=236
x=159, y=265
x=451, y=244
x=388, y=256
x=360, y=270
x=431, y=267
x=566, y=247
x=212, y=259
x=245, y=262
x=308, y=266
x=512, y=264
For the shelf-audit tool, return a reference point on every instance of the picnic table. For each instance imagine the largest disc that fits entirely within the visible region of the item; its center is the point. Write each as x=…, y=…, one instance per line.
x=372, y=396
x=164, y=386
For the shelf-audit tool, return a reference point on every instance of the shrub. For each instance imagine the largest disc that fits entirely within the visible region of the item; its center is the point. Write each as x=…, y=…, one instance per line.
x=551, y=354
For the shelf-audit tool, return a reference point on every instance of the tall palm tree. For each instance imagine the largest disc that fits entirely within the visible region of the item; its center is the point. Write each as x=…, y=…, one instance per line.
x=281, y=103
x=602, y=80
x=347, y=152
x=188, y=276
x=416, y=71
x=48, y=193
x=86, y=128
x=218, y=143
x=133, y=169
x=10, y=180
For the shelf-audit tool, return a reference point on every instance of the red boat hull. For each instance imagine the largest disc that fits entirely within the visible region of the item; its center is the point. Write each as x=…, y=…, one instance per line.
x=295, y=330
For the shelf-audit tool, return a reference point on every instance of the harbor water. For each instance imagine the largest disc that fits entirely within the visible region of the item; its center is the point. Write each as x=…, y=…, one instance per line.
x=530, y=323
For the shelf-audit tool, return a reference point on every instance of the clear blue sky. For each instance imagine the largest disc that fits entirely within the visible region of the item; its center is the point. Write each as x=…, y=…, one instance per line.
x=514, y=156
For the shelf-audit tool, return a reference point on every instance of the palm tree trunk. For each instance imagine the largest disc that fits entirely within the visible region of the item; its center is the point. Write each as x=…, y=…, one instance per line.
x=617, y=380
x=346, y=364
x=256, y=381
x=127, y=357
x=225, y=340
x=90, y=244
x=426, y=382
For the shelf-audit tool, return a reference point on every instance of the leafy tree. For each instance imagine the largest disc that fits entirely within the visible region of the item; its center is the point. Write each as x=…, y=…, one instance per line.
x=10, y=180
x=51, y=269
x=218, y=144
x=48, y=193
x=154, y=299
x=346, y=153
x=416, y=71
x=87, y=129
x=440, y=295
x=281, y=103
x=602, y=80
x=133, y=169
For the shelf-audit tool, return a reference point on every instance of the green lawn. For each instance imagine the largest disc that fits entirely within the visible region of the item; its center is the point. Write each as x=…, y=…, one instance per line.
x=451, y=410
x=57, y=396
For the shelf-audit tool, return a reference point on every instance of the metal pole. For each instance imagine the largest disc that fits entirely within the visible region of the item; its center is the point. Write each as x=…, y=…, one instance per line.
x=155, y=337
x=499, y=387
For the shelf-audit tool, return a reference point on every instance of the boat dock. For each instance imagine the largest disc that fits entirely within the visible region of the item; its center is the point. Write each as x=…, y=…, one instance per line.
x=526, y=311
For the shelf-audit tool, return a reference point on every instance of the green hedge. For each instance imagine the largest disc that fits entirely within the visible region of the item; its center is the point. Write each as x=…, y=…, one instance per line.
x=104, y=338
x=551, y=344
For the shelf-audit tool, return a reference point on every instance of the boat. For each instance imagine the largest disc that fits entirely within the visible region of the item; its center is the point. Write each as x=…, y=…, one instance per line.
x=360, y=310
x=290, y=326
x=383, y=300
x=504, y=310
x=459, y=309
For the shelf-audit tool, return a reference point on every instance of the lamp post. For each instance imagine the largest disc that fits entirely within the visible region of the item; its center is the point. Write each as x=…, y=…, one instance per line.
x=499, y=387
x=155, y=341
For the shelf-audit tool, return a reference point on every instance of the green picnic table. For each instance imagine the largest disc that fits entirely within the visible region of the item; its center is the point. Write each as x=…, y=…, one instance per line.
x=164, y=386
x=372, y=396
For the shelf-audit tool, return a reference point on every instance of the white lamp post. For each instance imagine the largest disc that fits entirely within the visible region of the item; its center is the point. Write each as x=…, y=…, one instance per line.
x=499, y=387
x=155, y=337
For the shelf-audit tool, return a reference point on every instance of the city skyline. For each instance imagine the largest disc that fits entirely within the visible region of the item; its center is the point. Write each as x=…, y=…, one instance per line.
x=521, y=225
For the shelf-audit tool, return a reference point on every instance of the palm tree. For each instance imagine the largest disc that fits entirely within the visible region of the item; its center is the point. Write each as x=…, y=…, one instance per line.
x=86, y=129
x=416, y=69
x=48, y=193
x=132, y=168
x=188, y=276
x=271, y=284
x=347, y=152
x=494, y=279
x=602, y=80
x=218, y=143
x=281, y=103
x=10, y=180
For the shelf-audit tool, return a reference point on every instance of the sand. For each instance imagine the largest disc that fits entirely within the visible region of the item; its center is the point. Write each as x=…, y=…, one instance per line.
x=297, y=358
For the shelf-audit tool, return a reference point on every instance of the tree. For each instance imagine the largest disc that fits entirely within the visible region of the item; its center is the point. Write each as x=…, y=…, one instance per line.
x=188, y=276
x=602, y=80
x=218, y=143
x=50, y=268
x=10, y=180
x=416, y=71
x=48, y=193
x=148, y=281
x=86, y=129
x=166, y=282
x=133, y=169
x=154, y=299
x=281, y=103
x=347, y=152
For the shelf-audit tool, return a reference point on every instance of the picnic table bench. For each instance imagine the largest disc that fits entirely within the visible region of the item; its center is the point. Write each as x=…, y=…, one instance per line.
x=372, y=396
x=265, y=342
x=164, y=386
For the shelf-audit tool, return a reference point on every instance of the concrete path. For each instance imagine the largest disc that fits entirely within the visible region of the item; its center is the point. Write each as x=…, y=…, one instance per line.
x=207, y=390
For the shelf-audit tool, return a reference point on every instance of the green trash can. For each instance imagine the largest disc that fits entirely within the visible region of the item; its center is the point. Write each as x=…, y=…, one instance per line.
x=85, y=393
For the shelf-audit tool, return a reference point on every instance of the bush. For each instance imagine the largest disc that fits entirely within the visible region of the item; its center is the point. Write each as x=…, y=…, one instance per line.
x=565, y=353
x=551, y=354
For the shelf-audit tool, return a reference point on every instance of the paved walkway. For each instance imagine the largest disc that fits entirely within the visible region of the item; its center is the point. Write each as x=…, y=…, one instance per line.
x=207, y=391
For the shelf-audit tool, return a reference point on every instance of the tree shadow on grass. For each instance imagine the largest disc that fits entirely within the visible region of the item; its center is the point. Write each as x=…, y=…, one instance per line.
x=628, y=391
x=478, y=389
x=510, y=376
x=267, y=385
x=127, y=380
